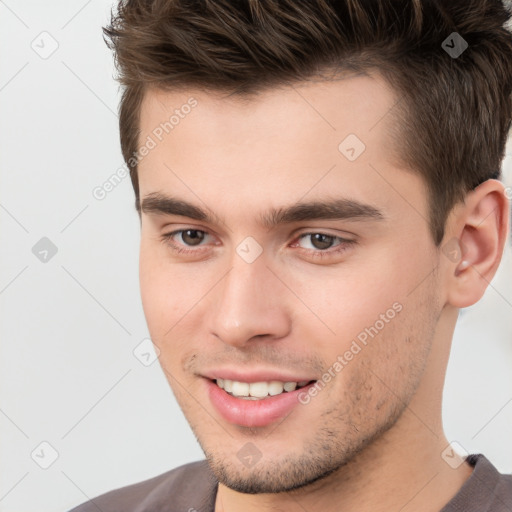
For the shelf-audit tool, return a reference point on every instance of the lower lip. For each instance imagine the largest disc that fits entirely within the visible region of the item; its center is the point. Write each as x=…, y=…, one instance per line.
x=253, y=413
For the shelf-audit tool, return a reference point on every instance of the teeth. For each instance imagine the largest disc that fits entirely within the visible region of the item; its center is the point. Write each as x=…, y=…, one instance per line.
x=290, y=386
x=240, y=388
x=275, y=388
x=258, y=390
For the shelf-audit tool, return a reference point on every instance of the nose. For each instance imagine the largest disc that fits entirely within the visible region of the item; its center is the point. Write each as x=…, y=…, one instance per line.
x=249, y=302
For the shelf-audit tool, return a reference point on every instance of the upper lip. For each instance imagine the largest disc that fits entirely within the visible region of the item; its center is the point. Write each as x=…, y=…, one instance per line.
x=253, y=375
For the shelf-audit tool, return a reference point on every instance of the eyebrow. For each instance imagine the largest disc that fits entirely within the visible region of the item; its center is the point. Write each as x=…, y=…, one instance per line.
x=329, y=209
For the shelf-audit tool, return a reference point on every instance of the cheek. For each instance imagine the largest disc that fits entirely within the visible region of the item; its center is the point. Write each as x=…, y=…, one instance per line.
x=170, y=294
x=163, y=292
x=346, y=304
x=376, y=302
x=163, y=300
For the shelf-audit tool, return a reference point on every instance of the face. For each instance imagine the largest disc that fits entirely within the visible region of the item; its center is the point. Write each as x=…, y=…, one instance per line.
x=276, y=248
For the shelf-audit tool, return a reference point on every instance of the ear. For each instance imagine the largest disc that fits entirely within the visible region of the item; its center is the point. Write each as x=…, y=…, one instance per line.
x=474, y=243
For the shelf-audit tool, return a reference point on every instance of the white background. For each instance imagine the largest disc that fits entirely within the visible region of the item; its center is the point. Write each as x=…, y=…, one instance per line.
x=69, y=326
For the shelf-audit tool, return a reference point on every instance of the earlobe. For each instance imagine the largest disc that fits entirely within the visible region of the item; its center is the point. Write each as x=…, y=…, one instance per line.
x=481, y=225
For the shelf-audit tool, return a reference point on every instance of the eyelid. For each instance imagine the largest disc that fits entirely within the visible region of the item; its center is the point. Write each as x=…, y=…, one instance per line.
x=330, y=235
x=324, y=231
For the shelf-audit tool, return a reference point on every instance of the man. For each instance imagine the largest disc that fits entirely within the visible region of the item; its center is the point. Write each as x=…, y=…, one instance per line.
x=318, y=186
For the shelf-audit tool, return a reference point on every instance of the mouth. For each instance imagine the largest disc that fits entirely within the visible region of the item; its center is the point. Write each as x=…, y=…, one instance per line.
x=259, y=390
x=255, y=404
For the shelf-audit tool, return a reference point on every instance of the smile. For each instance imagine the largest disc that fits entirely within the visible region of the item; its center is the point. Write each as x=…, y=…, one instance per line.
x=258, y=390
x=254, y=404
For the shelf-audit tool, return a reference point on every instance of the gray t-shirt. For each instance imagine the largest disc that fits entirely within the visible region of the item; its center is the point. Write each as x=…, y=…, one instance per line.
x=193, y=488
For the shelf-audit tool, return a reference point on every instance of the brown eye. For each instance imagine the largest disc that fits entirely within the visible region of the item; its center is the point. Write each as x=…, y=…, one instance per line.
x=320, y=241
x=186, y=241
x=192, y=236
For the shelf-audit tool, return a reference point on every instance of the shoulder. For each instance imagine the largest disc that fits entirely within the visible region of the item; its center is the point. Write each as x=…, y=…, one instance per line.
x=188, y=487
x=486, y=489
x=502, y=495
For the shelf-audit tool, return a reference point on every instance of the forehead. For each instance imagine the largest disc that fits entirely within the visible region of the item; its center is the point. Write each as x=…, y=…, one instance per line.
x=311, y=139
x=354, y=104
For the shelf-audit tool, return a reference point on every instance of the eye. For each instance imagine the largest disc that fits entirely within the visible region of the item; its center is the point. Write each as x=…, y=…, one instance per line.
x=320, y=241
x=192, y=236
x=189, y=238
x=322, y=245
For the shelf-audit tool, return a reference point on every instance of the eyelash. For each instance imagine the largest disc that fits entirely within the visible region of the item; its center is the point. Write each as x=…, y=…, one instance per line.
x=342, y=246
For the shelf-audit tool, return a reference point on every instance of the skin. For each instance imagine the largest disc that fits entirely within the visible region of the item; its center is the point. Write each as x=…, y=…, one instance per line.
x=372, y=438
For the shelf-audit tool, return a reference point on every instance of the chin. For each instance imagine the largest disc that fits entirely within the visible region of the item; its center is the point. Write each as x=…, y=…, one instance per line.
x=271, y=476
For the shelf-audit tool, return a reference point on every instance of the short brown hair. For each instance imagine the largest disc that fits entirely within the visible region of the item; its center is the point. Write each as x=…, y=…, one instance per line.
x=454, y=115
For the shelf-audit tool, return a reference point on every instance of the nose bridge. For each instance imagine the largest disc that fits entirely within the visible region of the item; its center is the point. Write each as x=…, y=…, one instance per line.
x=248, y=302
